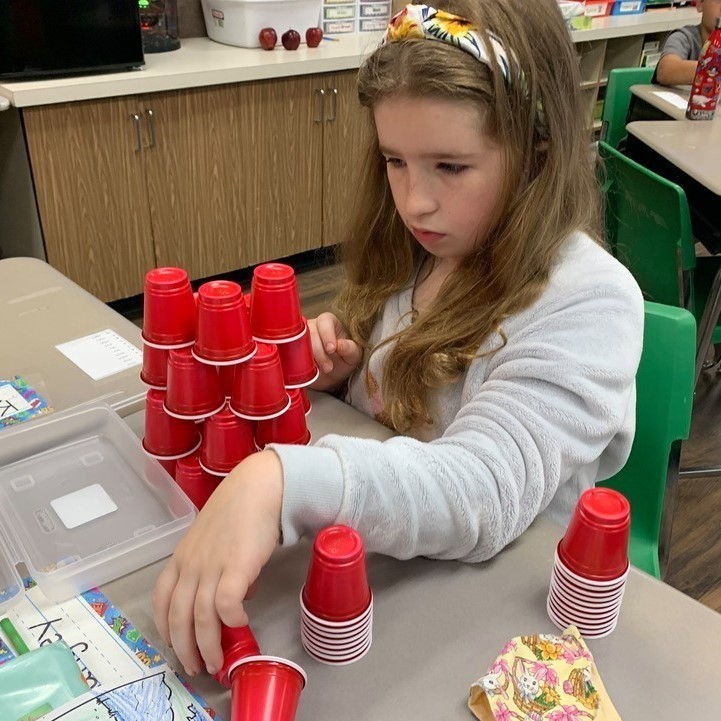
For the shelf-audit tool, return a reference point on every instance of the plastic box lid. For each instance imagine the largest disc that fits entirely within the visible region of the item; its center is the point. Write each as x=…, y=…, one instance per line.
x=81, y=504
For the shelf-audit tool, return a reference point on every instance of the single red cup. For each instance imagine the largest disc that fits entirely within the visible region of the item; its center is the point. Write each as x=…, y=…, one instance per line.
x=197, y=484
x=193, y=387
x=258, y=389
x=154, y=372
x=227, y=440
x=265, y=688
x=307, y=405
x=168, y=308
x=296, y=358
x=227, y=378
x=223, y=334
x=595, y=545
x=290, y=428
x=275, y=311
x=165, y=435
x=237, y=643
x=336, y=587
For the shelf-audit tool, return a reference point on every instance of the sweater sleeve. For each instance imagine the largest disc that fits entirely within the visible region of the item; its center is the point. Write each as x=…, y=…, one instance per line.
x=551, y=400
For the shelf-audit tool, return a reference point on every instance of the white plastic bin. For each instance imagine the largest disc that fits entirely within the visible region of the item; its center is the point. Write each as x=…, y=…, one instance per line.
x=238, y=22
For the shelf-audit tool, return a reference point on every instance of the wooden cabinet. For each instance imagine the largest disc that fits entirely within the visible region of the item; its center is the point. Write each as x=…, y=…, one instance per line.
x=211, y=179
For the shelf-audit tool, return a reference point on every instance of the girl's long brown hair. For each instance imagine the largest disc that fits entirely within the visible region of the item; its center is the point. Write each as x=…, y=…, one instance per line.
x=549, y=192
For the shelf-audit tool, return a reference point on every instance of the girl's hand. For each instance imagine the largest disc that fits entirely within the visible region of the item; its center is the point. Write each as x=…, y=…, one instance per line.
x=214, y=566
x=335, y=353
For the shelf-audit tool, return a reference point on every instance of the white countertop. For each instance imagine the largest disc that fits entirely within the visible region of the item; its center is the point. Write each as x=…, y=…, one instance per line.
x=201, y=62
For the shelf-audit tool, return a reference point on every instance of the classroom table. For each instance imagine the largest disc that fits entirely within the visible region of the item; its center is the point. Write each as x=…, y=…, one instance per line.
x=670, y=101
x=437, y=625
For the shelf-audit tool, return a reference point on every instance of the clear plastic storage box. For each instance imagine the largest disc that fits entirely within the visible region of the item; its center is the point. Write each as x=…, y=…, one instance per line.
x=81, y=504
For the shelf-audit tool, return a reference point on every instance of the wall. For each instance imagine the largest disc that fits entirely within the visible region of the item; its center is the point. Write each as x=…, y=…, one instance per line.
x=190, y=19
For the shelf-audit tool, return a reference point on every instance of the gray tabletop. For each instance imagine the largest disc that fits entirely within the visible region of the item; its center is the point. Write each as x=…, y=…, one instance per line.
x=438, y=625
x=670, y=100
x=693, y=146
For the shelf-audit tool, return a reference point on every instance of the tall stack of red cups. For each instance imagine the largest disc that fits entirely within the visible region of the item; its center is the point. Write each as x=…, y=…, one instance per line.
x=591, y=565
x=336, y=603
x=263, y=688
x=225, y=380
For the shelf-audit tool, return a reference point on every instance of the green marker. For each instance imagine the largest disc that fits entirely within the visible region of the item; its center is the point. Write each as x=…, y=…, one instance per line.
x=16, y=641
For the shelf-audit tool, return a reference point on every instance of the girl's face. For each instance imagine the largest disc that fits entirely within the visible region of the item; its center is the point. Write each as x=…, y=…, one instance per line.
x=445, y=174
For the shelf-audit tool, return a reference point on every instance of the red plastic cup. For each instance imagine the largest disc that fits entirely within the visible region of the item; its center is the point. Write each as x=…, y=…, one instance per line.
x=223, y=334
x=165, y=435
x=168, y=308
x=237, y=643
x=265, y=688
x=193, y=387
x=275, y=311
x=258, y=390
x=307, y=405
x=227, y=378
x=336, y=587
x=288, y=428
x=197, y=484
x=154, y=372
x=227, y=440
x=595, y=545
x=170, y=466
x=296, y=358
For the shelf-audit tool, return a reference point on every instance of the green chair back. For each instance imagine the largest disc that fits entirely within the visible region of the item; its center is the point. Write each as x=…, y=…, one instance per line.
x=648, y=228
x=664, y=398
x=618, y=100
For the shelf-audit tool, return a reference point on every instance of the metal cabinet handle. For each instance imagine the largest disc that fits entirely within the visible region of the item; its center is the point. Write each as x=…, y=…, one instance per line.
x=320, y=94
x=333, y=105
x=138, y=133
x=151, y=127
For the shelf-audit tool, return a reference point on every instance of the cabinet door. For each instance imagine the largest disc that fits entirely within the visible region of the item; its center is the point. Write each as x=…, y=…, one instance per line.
x=347, y=129
x=231, y=174
x=90, y=189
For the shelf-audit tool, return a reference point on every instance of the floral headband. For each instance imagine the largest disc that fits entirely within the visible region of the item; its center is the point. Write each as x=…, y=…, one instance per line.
x=423, y=21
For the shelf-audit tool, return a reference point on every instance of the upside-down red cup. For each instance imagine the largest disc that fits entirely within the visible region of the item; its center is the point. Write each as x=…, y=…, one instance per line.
x=258, y=389
x=237, y=643
x=154, y=372
x=275, y=315
x=223, y=334
x=296, y=358
x=290, y=428
x=170, y=466
x=165, y=435
x=265, y=688
x=227, y=378
x=168, y=308
x=197, y=484
x=595, y=545
x=227, y=440
x=307, y=405
x=336, y=587
x=193, y=388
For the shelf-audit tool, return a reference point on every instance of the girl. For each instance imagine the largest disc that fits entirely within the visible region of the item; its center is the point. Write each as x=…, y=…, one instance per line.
x=482, y=319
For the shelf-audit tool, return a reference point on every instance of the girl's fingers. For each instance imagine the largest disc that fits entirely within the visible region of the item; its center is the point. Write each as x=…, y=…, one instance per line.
x=229, y=595
x=328, y=327
x=207, y=624
x=162, y=593
x=349, y=352
x=319, y=355
x=182, y=624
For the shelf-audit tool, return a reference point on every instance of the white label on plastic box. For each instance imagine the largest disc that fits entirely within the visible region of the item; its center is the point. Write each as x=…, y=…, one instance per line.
x=11, y=402
x=102, y=354
x=375, y=10
x=629, y=7
x=595, y=9
x=339, y=12
x=372, y=25
x=339, y=26
x=83, y=506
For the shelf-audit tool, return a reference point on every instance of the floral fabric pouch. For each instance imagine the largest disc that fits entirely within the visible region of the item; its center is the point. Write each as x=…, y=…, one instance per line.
x=542, y=678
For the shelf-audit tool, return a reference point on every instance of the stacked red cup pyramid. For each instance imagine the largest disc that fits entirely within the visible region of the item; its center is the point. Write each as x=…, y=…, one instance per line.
x=336, y=619
x=226, y=372
x=591, y=565
x=263, y=688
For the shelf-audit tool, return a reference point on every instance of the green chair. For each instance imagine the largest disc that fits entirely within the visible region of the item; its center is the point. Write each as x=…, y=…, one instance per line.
x=618, y=101
x=664, y=398
x=648, y=228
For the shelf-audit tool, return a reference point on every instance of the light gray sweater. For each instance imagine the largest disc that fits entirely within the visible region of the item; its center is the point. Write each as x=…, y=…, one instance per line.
x=525, y=430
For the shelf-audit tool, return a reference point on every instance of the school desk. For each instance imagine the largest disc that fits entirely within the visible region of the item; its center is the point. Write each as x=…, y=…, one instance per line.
x=437, y=625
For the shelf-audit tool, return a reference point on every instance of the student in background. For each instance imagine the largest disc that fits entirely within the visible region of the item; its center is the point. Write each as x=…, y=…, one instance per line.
x=682, y=50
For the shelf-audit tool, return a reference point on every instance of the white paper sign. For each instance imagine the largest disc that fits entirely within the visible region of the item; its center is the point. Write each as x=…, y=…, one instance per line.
x=102, y=354
x=80, y=507
x=672, y=98
x=11, y=402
